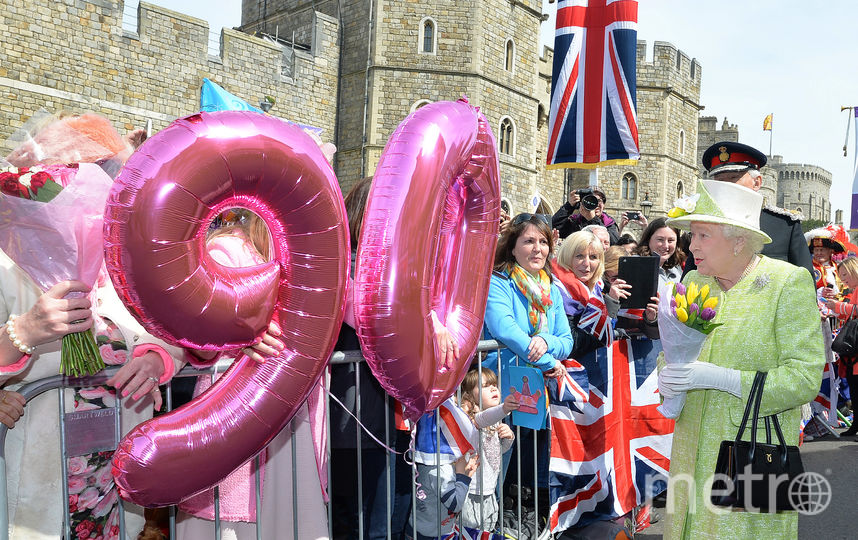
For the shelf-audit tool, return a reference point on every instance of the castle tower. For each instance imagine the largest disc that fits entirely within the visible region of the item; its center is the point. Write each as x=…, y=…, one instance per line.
x=708, y=134
x=398, y=56
x=804, y=188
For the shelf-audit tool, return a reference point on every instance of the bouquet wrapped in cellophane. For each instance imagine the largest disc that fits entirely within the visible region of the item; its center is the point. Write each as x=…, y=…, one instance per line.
x=685, y=319
x=54, y=233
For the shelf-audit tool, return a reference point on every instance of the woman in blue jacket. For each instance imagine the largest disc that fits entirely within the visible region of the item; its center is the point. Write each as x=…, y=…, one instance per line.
x=525, y=313
x=525, y=309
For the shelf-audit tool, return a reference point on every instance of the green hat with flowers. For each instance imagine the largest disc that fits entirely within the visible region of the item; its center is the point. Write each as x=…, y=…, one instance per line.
x=723, y=203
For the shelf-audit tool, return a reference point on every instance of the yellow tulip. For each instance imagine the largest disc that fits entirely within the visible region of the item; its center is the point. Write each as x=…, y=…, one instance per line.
x=675, y=212
x=681, y=314
x=692, y=292
x=710, y=303
x=680, y=301
x=704, y=293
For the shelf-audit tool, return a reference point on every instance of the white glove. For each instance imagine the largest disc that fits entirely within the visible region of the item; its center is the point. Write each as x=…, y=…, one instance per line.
x=677, y=378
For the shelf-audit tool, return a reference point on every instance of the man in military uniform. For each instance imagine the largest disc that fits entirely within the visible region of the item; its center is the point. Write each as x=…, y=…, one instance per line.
x=739, y=163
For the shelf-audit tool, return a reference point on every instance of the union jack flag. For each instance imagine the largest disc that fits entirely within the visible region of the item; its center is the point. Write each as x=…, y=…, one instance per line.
x=572, y=387
x=827, y=396
x=467, y=533
x=457, y=436
x=589, y=307
x=594, y=318
x=614, y=453
x=593, y=118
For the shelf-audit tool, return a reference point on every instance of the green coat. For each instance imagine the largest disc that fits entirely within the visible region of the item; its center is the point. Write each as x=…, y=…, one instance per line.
x=771, y=323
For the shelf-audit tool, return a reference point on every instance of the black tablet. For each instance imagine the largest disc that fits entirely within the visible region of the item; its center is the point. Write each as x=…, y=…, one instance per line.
x=642, y=274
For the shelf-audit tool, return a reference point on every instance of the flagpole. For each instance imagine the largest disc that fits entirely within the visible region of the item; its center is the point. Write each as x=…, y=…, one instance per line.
x=853, y=221
x=771, y=131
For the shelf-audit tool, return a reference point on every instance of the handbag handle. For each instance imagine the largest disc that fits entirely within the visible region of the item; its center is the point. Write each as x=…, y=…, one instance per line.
x=752, y=398
x=755, y=397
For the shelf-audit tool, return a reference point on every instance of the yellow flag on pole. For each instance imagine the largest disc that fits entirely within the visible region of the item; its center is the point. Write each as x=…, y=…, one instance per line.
x=767, y=122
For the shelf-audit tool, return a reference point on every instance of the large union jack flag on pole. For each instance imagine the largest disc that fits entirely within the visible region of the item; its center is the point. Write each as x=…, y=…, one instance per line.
x=593, y=118
x=611, y=453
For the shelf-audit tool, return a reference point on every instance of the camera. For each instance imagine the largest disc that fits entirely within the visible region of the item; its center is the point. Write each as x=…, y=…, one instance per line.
x=589, y=200
x=633, y=215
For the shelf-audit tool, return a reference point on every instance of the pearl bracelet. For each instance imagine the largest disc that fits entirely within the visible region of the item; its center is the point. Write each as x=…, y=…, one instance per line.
x=16, y=341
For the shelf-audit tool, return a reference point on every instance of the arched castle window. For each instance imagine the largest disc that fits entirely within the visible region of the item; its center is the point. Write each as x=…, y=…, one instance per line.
x=629, y=187
x=506, y=137
x=681, y=142
x=419, y=103
x=678, y=60
x=427, y=36
x=680, y=189
x=509, y=61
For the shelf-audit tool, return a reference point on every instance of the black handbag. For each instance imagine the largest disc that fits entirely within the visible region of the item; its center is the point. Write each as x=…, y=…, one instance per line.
x=846, y=341
x=755, y=476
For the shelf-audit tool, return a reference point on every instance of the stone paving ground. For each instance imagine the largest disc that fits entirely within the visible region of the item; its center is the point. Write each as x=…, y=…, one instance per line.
x=837, y=460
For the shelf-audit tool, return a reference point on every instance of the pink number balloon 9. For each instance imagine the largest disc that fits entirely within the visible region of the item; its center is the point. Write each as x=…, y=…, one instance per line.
x=156, y=220
x=427, y=245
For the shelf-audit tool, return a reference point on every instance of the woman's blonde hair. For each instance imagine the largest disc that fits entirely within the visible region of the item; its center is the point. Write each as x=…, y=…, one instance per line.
x=254, y=229
x=577, y=243
x=612, y=258
x=850, y=264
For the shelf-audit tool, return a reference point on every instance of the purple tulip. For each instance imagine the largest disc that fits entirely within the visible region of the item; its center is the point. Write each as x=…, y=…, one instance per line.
x=673, y=303
x=680, y=288
x=693, y=308
x=707, y=314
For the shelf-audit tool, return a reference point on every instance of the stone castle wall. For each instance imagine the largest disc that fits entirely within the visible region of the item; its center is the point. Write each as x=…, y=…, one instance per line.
x=708, y=134
x=803, y=187
x=794, y=186
x=73, y=55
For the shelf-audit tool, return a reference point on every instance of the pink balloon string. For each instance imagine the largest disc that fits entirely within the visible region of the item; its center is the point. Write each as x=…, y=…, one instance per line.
x=364, y=428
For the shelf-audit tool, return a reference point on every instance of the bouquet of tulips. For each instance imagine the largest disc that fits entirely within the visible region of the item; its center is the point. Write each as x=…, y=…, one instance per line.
x=686, y=316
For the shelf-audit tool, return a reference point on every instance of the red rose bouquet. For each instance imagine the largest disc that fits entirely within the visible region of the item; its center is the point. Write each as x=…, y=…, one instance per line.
x=51, y=226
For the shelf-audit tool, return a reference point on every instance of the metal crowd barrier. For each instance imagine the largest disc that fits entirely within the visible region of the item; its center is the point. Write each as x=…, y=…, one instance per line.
x=60, y=383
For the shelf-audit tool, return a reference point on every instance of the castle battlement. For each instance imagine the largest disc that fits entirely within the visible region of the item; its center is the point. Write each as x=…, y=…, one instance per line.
x=669, y=68
x=155, y=71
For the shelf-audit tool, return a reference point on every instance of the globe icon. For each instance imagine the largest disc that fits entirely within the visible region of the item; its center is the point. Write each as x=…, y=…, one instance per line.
x=809, y=493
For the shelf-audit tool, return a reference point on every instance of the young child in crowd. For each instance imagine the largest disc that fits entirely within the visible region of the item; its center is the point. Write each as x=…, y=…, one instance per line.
x=442, y=485
x=483, y=405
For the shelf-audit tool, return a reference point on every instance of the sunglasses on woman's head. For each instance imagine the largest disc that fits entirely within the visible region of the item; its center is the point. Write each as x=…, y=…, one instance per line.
x=524, y=217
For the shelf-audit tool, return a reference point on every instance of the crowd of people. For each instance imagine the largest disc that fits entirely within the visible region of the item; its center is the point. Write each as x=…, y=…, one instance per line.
x=546, y=304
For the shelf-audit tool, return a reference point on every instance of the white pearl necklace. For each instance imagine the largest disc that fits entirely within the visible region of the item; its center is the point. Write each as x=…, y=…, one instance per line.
x=13, y=337
x=745, y=272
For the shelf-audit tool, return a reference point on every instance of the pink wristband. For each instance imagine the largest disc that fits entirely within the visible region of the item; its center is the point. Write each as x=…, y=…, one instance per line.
x=169, y=367
x=17, y=366
x=198, y=362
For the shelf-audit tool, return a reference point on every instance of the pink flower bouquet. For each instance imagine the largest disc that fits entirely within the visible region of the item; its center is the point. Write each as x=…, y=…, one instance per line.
x=58, y=238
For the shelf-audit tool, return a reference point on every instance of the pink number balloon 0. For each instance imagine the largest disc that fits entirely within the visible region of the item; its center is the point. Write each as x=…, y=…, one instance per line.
x=427, y=245
x=156, y=220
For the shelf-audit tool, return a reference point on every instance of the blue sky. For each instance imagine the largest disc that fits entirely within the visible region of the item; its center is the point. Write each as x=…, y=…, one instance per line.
x=790, y=58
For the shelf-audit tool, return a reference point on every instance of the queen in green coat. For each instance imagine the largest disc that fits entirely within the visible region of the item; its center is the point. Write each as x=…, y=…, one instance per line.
x=770, y=323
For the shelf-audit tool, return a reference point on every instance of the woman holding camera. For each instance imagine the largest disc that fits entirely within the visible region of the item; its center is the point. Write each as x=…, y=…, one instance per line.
x=590, y=204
